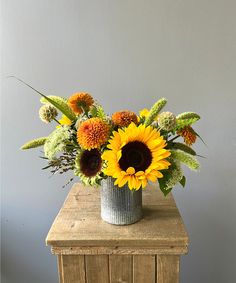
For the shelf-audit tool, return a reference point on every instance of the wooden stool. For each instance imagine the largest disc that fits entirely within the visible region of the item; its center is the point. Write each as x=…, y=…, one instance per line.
x=90, y=250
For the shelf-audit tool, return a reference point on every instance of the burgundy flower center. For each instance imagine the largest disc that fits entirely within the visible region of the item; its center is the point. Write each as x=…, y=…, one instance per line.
x=90, y=162
x=137, y=155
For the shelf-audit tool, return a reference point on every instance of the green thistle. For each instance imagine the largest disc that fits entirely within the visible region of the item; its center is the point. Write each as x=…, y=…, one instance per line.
x=47, y=113
x=34, y=143
x=166, y=121
x=156, y=108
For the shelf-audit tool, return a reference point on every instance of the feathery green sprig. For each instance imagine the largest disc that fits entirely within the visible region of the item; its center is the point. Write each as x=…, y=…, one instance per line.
x=34, y=143
x=186, y=158
x=186, y=119
x=156, y=108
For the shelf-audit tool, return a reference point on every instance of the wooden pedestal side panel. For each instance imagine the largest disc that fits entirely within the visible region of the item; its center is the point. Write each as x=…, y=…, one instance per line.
x=97, y=269
x=72, y=269
x=144, y=268
x=121, y=268
x=168, y=268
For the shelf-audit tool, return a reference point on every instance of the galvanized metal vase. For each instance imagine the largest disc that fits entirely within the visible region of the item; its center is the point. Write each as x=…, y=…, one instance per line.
x=120, y=206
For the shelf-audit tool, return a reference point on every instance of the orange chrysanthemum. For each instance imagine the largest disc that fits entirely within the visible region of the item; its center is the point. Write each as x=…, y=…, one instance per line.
x=188, y=134
x=80, y=102
x=124, y=118
x=93, y=133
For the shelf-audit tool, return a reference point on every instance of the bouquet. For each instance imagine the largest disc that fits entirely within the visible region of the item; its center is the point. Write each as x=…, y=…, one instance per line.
x=131, y=148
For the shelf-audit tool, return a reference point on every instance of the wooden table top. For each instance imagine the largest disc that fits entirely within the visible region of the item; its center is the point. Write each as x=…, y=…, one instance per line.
x=79, y=225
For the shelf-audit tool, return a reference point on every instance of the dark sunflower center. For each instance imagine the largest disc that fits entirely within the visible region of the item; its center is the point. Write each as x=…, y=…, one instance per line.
x=90, y=162
x=137, y=155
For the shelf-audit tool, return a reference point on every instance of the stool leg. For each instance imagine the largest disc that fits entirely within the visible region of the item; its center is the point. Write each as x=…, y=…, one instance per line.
x=72, y=269
x=168, y=268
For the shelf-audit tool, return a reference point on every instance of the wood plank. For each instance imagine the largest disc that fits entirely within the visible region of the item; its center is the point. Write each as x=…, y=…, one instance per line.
x=97, y=269
x=144, y=268
x=60, y=268
x=79, y=223
x=73, y=269
x=121, y=268
x=119, y=250
x=168, y=269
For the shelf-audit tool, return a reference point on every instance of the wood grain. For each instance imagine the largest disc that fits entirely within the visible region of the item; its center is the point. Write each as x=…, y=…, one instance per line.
x=73, y=269
x=167, y=269
x=119, y=250
x=90, y=250
x=79, y=223
x=121, y=268
x=144, y=268
x=97, y=269
x=60, y=268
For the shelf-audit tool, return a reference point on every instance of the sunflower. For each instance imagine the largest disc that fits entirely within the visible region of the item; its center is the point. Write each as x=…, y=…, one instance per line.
x=88, y=166
x=124, y=118
x=93, y=133
x=188, y=134
x=135, y=155
x=80, y=102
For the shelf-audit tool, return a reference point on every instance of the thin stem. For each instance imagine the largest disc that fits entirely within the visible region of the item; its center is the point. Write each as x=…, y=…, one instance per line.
x=174, y=138
x=56, y=121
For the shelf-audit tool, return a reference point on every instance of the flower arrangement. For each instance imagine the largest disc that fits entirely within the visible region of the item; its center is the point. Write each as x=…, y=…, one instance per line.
x=133, y=149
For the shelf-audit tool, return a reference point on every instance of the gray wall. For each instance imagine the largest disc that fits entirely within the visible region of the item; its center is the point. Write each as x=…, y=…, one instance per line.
x=127, y=54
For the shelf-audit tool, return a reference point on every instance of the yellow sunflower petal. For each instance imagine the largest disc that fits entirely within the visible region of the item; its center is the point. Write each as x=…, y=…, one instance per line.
x=130, y=170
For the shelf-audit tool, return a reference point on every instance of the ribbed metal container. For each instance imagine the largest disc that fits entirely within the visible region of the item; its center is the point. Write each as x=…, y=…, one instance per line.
x=120, y=206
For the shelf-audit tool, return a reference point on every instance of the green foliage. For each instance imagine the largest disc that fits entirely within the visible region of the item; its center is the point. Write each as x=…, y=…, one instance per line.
x=57, y=141
x=97, y=111
x=183, y=147
x=61, y=104
x=34, y=143
x=156, y=108
x=183, y=181
x=186, y=119
x=171, y=176
x=186, y=158
x=45, y=101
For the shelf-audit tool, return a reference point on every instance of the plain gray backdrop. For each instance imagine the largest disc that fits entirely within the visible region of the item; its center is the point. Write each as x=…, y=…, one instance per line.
x=127, y=54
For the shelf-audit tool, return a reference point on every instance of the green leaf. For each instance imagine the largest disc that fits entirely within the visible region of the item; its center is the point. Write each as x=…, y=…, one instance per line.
x=171, y=176
x=44, y=100
x=198, y=136
x=97, y=111
x=183, y=181
x=186, y=158
x=34, y=143
x=164, y=191
x=60, y=104
x=184, y=147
